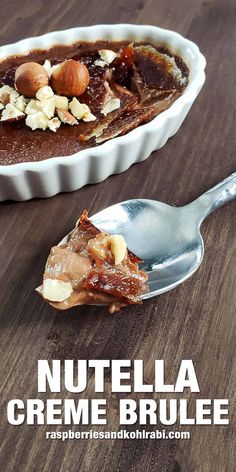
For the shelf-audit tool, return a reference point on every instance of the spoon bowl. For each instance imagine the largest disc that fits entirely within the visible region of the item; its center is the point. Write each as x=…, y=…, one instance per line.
x=166, y=238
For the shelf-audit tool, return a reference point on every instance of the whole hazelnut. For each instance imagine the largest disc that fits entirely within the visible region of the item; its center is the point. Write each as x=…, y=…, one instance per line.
x=29, y=78
x=70, y=78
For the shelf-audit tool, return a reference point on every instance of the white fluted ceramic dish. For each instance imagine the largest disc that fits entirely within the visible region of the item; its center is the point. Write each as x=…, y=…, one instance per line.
x=48, y=177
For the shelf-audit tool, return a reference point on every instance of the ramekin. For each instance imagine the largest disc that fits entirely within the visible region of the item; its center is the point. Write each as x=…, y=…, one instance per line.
x=48, y=177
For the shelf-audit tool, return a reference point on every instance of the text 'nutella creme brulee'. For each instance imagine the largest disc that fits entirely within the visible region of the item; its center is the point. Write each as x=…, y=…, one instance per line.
x=90, y=267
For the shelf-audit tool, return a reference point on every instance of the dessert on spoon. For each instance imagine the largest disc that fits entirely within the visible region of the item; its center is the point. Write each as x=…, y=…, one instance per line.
x=90, y=266
x=166, y=239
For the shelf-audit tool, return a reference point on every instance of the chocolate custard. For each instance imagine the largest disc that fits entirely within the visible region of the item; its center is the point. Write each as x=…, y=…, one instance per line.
x=144, y=80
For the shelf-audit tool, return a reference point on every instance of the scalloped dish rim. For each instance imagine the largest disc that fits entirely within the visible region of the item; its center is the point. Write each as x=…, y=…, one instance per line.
x=26, y=45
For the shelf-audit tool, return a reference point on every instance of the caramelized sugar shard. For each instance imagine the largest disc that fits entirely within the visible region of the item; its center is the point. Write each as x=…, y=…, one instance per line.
x=155, y=74
x=123, y=66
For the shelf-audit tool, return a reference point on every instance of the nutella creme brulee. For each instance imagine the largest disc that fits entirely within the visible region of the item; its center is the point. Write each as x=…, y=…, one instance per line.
x=94, y=268
x=65, y=99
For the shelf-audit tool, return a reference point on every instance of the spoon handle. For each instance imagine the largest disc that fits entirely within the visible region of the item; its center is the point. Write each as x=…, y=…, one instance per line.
x=216, y=197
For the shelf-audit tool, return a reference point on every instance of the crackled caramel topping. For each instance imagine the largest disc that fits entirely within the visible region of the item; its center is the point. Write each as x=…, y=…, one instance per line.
x=121, y=95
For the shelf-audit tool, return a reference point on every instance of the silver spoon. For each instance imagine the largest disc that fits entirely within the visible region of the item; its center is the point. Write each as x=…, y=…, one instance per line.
x=166, y=238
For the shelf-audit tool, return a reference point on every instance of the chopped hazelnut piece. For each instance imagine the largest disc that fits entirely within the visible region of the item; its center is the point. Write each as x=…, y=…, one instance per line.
x=111, y=105
x=61, y=102
x=56, y=290
x=81, y=111
x=54, y=124
x=8, y=94
x=32, y=107
x=11, y=113
x=5, y=98
x=118, y=247
x=44, y=93
x=47, y=66
x=37, y=120
x=20, y=103
x=100, y=63
x=48, y=107
x=107, y=55
x=89, y=117
x=77, y=109
x=66, y=117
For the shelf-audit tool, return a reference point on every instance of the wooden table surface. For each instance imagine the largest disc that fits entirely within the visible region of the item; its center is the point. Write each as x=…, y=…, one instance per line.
x=195, y=321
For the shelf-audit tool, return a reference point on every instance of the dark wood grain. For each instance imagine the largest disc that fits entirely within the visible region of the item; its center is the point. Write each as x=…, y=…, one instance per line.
x=196, y=321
